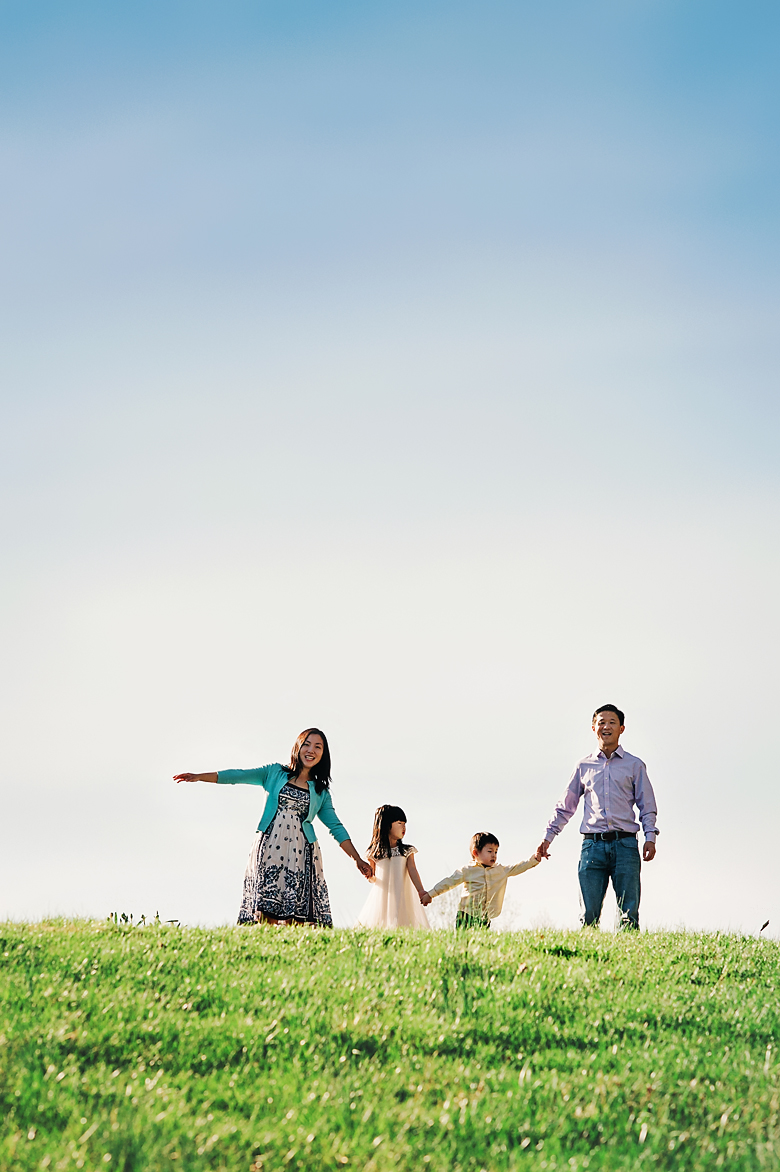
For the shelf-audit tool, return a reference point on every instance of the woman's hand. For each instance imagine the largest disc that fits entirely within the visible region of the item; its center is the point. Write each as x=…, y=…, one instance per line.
x=177, y=777
x=425, y=898
x=366, y=870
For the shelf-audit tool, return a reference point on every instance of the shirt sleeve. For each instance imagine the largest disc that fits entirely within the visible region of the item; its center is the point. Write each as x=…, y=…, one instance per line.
x=566, y=806
x=257, y=776
x=518, y=868
x=645, y=802
x=447, y=884
x=327, y=815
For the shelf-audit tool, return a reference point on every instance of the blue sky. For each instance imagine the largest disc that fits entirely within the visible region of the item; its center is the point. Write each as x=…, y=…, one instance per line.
x=409, y=370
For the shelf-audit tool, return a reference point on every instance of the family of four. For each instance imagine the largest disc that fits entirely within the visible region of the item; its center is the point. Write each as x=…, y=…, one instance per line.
x=284, y=882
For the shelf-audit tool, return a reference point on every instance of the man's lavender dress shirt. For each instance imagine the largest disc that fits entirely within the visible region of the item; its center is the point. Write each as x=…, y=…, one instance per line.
x=612, y=788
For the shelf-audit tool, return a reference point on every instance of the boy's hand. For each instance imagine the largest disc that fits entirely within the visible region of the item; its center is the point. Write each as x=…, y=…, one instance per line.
x=425, y=898
x=542, y=850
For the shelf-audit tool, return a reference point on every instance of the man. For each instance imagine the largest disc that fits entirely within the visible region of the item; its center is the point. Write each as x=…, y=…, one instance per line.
x=613, y=782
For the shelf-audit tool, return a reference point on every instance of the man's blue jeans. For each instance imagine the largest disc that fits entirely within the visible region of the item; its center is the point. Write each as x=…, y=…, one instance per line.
x=602, y=861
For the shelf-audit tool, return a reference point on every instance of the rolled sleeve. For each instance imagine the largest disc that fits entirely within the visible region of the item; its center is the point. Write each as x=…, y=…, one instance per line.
x=566, y=806
x=327, y=815
x=645, y=803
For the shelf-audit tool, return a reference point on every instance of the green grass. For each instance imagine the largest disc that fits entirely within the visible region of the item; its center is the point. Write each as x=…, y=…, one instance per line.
x=159, y=1047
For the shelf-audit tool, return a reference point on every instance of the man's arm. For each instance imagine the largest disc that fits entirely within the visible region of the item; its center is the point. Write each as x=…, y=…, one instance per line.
x=563, y=812
x=648, y=810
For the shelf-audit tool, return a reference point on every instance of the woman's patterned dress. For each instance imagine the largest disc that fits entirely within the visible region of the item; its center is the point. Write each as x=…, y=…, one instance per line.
x=284, y=877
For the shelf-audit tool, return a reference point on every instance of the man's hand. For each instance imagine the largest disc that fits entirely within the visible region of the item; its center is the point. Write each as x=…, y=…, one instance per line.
x=425, y=898
x=542, y=851
x=648, y=852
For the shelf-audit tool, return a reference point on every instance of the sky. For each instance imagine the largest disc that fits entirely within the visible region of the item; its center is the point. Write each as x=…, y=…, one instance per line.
x=405, y=370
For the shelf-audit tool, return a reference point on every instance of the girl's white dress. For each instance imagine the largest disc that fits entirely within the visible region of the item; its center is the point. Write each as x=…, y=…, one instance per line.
x=393, y=902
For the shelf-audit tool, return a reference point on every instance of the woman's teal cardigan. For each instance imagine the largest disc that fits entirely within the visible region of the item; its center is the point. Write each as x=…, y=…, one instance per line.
x=272, y=778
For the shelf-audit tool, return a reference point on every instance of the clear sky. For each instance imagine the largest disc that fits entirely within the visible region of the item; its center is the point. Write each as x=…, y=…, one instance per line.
x=405, y=369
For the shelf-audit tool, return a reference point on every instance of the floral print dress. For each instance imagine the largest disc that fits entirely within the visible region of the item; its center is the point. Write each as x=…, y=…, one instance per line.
x=284, y=879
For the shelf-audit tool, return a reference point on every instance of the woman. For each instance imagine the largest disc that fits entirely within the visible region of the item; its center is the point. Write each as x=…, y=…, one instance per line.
x=284, y=881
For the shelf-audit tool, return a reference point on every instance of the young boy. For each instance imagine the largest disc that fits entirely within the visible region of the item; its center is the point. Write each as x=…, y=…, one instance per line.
x=485, y=883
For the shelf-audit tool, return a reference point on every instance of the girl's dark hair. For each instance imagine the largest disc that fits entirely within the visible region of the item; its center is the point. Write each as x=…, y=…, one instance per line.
x=320, y=774
x=380, y=838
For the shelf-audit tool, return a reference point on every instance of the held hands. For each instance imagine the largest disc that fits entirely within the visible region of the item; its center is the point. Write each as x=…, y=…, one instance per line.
x=366, y=870
x=425, y=898
x=542, y=851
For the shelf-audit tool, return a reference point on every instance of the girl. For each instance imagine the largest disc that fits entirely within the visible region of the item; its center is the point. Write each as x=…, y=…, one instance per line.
x=393, y=902
x=284, y=881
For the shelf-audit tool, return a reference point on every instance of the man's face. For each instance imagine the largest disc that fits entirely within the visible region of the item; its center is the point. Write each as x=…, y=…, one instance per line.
x=487, y=856
x=607, y=728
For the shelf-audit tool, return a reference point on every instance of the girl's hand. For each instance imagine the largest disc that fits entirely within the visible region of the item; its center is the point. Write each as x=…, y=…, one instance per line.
x=425, y=898
x=366, y=870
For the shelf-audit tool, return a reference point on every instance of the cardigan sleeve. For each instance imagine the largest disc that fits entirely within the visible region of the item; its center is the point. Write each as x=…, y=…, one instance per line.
x=327, y=815
x=257, y=776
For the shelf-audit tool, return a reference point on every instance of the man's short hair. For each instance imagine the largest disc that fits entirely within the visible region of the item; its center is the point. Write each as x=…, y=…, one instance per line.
x=611, y=708
x=481, y=839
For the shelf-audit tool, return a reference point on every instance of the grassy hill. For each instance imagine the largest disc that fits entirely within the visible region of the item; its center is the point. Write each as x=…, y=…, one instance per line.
x=163, y=1048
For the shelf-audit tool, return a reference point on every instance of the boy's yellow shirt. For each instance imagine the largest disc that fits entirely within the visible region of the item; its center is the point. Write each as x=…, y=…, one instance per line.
x=485, y=886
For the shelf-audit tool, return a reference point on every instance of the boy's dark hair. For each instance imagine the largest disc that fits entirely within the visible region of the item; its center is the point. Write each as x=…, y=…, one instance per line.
x=611, y=708
x=481, y=839
x=320, y=774
x=379, y=847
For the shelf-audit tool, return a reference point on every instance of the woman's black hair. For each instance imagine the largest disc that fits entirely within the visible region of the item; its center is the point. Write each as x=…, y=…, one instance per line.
x=320, y=773
x=380, y=838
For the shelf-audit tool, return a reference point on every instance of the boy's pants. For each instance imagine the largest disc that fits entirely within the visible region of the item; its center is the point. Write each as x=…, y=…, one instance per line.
x=467, y=920
x=601, y=861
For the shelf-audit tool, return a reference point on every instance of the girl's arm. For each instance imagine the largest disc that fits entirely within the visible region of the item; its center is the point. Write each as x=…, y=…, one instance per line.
x=411, y=867
x=177, y=777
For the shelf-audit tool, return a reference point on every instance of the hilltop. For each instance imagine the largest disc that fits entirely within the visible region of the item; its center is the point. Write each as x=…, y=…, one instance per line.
x=161, y=1048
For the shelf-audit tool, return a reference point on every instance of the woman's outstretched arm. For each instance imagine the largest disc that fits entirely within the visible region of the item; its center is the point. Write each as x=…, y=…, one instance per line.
x=177, y=777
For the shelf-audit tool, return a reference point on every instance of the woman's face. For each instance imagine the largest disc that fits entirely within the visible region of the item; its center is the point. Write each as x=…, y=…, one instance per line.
x=397, y=830
x=311, y=751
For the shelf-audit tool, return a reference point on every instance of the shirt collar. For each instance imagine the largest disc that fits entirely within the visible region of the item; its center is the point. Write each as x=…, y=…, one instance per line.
x=600, y=756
